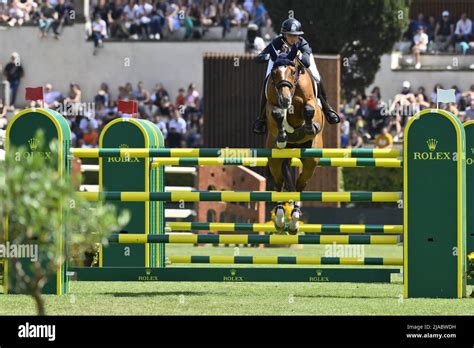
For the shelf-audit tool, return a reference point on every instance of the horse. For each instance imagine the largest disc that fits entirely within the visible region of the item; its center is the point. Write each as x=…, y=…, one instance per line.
x=294, y=120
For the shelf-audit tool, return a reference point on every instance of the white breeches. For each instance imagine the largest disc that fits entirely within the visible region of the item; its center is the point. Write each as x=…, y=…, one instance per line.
x=312, y=68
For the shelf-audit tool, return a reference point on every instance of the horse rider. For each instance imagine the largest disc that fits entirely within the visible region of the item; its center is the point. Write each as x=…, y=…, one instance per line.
x=290, y=35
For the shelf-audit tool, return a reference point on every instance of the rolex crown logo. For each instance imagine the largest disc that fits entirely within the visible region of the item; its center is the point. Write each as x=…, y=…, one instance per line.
x=432, y=143
x=148, y=271
x=33, y=143
x=233, y=272
x=319, y=272
x=124, y=146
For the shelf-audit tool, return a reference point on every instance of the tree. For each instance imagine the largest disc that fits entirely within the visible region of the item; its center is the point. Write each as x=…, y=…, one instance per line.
x=361, y=31
x=30, y=194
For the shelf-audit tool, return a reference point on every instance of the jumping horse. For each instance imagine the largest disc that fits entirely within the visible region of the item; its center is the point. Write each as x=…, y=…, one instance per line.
x=294, y=120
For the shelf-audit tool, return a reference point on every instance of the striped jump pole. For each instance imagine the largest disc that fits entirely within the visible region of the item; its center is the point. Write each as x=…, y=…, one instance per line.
x=262, y=162
x=244, y=196
x=287, y=260
x=267, y=227
x=245, y=239
x=235, y=153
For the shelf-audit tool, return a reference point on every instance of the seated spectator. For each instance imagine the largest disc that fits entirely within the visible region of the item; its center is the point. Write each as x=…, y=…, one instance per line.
x=233, y=16
x=421, y=102
x=468, y=96
x=141, y=13
x=355, y=140
x=141, y=95
x=434, y=94
x=431, y=28
x=469, y=113
x=463, y=31
x=413, y=26
x=180, y=99
x=99, y=32
x=345, y=129
x=421, y=45
x=16, y=13
x=209, y=15
x=192, y=100
x=253, y=44
x=444, y=32
x=90, y=136
x=157, y=22
x=87, y=124
x=404, y=100
x=384, y=139
x=117, y=19
x=172, y=17
x=396, y=122
x=166, y=108
x=149, y=111
x=361, y=128
x=73, y=98
x=51, y=97
x=178, y=124
x=102, y=96
x=161, y=125
x=260, y=15
x=62, y=16
x=48, y=19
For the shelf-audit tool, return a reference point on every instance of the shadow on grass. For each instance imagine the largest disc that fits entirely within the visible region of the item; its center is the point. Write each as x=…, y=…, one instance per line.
x=347, y=297
x=157, y=294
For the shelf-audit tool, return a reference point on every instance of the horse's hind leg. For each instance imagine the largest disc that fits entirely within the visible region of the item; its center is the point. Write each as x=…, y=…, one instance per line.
x=290, y=185
x=275, y=165
x=309, y=166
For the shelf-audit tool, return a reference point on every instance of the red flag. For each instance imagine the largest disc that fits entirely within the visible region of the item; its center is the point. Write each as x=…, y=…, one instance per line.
x=135, y=107
x=127, y=107
x=34, y=93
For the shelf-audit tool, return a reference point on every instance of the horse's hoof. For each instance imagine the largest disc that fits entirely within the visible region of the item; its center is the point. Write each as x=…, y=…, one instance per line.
x=293, y=232
x=312, y=129
x=281, y=145
x=279, y=220
x=294, y=224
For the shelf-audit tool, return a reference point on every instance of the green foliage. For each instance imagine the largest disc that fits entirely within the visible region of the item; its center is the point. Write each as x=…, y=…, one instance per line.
x=31, y=195
x=373, y=179
x=360, y=31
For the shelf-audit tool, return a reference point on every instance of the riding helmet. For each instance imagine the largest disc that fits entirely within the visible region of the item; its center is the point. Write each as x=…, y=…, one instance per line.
x=291, y=26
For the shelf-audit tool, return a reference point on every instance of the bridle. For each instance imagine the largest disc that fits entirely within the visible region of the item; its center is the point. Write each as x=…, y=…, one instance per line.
x=286, y=83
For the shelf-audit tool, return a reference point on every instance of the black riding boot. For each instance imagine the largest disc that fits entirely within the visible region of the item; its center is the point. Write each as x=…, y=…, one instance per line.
x=260, y=125
x=331, y=116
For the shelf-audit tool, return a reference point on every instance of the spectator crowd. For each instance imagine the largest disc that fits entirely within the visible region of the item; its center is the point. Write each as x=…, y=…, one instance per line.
x=442, y=34
x=368, y=118
x=180, y=120
x=47, y=15
x=154, y=19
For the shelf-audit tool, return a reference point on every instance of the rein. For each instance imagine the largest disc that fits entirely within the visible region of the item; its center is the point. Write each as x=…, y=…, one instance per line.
x=286, y=83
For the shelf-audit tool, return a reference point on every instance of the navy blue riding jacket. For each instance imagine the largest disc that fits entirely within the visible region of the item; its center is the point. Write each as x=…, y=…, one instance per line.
x=278, y=42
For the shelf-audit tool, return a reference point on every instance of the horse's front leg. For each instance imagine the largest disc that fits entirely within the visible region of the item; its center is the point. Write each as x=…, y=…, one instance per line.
x=310, y=127
x=279, y=116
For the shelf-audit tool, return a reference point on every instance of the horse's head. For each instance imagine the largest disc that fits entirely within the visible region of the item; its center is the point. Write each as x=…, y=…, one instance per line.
x=284, y=75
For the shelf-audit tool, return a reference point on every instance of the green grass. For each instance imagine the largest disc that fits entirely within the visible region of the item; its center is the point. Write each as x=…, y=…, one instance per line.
x=186, y=298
